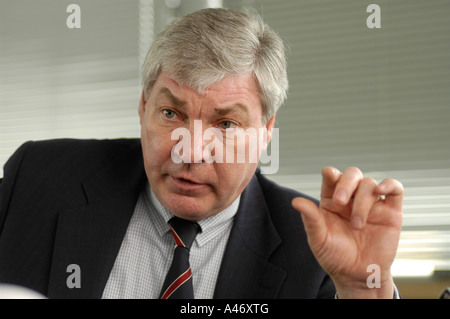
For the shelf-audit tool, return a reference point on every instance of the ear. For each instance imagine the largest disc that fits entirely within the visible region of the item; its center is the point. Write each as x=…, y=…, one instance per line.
x=141, y=109
x=269, y=126
x=265, y=139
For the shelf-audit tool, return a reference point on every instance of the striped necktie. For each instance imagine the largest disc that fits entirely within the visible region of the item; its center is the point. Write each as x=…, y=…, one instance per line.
x=178, y=282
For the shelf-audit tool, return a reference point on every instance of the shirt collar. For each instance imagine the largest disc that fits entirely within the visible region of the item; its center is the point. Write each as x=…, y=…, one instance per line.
x=211, y=226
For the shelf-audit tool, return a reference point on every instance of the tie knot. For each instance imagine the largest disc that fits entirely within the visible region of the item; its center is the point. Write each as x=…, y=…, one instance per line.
x=183, y=231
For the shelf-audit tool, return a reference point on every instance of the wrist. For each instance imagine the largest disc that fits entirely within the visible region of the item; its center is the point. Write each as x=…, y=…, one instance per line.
x=360, y=290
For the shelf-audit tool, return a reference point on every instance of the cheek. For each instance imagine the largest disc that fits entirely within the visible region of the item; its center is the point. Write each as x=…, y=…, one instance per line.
x=233, y=177
x=156, y=145
x=243, y=146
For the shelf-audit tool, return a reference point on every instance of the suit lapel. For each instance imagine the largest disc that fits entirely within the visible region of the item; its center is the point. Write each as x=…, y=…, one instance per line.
x=245, y=271
x=90, y=236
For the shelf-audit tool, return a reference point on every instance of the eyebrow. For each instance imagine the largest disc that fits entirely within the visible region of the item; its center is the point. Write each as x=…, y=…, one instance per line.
x=173, y=99
x=235, y=108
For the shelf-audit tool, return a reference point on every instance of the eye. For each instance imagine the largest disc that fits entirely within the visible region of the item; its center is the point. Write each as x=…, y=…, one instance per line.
x=227, y=124
x=169, y=114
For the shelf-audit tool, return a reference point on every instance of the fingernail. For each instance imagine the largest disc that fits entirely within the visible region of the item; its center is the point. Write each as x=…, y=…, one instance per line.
x=357, y=222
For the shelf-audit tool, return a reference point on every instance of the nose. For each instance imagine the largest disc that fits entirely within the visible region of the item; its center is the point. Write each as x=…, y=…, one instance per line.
x=196, y=141
x=191, y=144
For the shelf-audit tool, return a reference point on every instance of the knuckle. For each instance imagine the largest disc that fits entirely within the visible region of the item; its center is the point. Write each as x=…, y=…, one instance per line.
x=369, y=182
x=397, y=185
x=354, y=171
x=330, y=170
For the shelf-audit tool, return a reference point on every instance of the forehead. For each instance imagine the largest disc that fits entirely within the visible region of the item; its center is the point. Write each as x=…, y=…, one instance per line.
x=233, y=89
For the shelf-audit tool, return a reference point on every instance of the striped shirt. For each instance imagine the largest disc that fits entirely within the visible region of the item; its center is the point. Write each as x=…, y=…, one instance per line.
x=147, y=250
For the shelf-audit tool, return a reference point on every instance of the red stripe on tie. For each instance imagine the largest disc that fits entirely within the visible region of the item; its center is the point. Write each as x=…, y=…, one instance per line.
x=177, y=238
x=177, y=283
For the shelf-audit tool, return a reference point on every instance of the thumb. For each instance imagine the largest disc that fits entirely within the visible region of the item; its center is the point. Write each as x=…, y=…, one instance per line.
x=313, y=220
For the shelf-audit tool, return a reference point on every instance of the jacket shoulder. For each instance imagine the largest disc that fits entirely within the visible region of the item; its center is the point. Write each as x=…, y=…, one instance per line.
x=74, y=154
x=67, y=147
x=56, y=167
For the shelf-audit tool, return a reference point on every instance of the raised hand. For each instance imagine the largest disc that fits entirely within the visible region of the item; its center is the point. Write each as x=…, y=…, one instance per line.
x=357, y=224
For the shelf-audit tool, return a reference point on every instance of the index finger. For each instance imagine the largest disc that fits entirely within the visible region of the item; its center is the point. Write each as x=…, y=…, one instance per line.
x=347, y=185
x=330, y=177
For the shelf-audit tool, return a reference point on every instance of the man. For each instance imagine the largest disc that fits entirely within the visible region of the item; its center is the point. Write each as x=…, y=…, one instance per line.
x=89, y=219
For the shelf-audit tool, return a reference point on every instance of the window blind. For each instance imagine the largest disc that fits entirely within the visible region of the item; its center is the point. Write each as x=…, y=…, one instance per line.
x=59, y=82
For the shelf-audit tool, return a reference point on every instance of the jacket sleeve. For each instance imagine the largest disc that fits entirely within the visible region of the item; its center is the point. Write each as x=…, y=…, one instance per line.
x=10, y=172
x=327, y=289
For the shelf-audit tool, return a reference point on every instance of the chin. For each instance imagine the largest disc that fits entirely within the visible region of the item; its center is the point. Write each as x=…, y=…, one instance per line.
x=191, y=215
x=189, y=208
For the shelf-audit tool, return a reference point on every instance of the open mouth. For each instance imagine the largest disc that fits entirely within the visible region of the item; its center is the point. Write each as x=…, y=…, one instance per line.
x=186, y=184
x=186, y=181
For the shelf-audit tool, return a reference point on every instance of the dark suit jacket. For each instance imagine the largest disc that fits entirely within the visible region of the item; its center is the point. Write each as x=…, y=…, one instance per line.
x=66, y=202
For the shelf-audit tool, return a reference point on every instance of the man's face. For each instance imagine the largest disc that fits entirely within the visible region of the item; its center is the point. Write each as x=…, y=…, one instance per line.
x=197, y=190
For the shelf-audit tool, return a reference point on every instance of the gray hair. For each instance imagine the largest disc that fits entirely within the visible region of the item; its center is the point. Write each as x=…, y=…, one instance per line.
x=203, y=47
